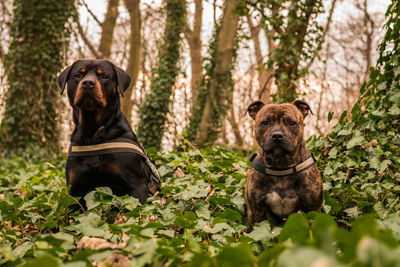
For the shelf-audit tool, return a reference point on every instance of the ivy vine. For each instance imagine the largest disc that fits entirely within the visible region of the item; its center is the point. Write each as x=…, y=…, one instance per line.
x=39, y=34
x=216, y=88
x=363, y=151
x=153, y=111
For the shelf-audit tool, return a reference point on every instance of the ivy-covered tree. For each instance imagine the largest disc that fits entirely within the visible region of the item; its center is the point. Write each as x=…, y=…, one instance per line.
x=153, y=111
x=360, y=157
x=296, y=35
x=39, y=31
x=215, y=90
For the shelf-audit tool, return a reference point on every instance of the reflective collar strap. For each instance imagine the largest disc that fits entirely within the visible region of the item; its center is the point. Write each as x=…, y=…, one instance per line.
x=259, y=166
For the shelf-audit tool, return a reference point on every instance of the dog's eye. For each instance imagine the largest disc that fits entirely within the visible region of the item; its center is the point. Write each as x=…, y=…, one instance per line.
x=78, y=75
x=265, y=123
x=292, y=123
x=105, y=76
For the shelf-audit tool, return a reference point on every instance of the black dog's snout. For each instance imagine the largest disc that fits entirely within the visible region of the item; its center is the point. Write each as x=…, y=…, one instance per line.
x=277, y=136
x=88, y=84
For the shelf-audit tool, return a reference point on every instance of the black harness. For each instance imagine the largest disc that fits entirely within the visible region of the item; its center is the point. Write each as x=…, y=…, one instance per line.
x=259, y=166
x=119, y=145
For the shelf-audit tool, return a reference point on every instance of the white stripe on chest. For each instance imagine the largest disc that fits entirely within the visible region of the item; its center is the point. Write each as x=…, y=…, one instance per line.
x=281, y=207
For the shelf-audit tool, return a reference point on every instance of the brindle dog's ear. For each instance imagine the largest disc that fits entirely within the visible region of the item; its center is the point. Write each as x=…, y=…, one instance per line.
x=303, y=106
x=254, y=108
x=64, y=76
x=123, y=80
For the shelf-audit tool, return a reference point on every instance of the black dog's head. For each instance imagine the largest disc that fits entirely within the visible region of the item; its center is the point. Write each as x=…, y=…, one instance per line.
x=93, y=84
x=279, y=127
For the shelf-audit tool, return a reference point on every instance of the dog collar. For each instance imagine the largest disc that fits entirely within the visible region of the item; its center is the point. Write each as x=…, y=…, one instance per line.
x=259, y=166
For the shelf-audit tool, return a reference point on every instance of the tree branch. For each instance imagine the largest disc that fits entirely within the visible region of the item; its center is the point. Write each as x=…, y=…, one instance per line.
x=89, y=44
x=326, y=30
x=90, y=12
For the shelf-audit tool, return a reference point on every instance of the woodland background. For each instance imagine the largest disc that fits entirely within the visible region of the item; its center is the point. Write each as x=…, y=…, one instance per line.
x=320, y=51
x=197, y=65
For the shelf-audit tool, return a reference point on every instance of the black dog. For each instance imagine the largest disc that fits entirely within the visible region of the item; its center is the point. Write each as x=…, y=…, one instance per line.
x=104, y=150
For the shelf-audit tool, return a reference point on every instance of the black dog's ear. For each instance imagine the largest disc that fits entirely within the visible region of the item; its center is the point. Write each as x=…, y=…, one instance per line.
x=64, y=76
x=123, y=80
x=254, y=108
x=303, y=106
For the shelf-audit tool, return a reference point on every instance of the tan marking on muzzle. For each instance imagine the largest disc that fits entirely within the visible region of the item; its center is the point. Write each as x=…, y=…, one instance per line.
x=100, y=95
x=78, y=93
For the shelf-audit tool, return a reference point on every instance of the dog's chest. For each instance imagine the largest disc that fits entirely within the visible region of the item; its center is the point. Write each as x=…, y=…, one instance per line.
x=280, y=195
x=281, y=206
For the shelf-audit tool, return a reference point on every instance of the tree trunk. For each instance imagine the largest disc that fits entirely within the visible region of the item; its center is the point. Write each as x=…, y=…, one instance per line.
x=287, y=71
x=134, y=55
x=213, y=103
x=194, y=41
x=35, y=56
x=154, y=109
x=108, y=28
x=264, y=77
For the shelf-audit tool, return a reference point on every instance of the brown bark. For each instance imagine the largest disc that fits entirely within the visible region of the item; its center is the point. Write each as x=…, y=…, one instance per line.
x=194, y=41
x=235, y=129
x=108, y=27
x=133, y=7
x=264, y=80
x=219, y=90
x=286, y=71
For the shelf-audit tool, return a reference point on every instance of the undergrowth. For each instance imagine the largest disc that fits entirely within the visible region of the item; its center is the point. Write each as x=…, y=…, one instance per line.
x=198, y=219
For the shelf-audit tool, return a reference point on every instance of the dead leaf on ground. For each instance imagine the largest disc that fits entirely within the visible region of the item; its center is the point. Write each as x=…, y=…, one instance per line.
x=116, y=260
x=161, y=202
x=237, y=167
x=120, y=219
x=370, y=143
x=179, y=173
x=99, y=243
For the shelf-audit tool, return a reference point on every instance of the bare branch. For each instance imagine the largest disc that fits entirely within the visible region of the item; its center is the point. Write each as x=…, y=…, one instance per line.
x=89, y=44
x=90, y=12
x=326, y=30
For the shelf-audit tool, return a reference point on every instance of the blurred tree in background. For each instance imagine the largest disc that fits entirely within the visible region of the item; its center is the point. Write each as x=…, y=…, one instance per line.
x=213, y=98
x=197, y=75
x=156, y=105
x=39, y=33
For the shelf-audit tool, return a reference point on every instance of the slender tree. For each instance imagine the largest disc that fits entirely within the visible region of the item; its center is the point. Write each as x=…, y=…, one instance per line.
x=212, y=101
x=195, y=45
x=107, y=28
x=155, y=106
x=35, y=56
x=294, y=36
x=134, y=54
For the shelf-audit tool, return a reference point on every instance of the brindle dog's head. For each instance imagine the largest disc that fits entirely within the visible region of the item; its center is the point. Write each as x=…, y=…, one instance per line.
x=93, y=83
x=279, y=127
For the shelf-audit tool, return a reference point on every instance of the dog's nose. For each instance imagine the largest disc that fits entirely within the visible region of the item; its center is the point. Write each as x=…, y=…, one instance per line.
x=88, y=84
x=277, y=136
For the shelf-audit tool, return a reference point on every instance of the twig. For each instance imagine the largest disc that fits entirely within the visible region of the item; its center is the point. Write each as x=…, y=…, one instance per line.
x=91, y=13
x=91, y=47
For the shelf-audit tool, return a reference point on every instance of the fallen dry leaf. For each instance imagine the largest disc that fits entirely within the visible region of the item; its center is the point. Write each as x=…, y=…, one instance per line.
x=179, y=173
x=116, y=260
x=99, y=243
x=120, y=219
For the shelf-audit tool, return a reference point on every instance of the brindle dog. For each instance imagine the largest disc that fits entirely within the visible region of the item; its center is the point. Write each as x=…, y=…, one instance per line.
x=279, y=133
